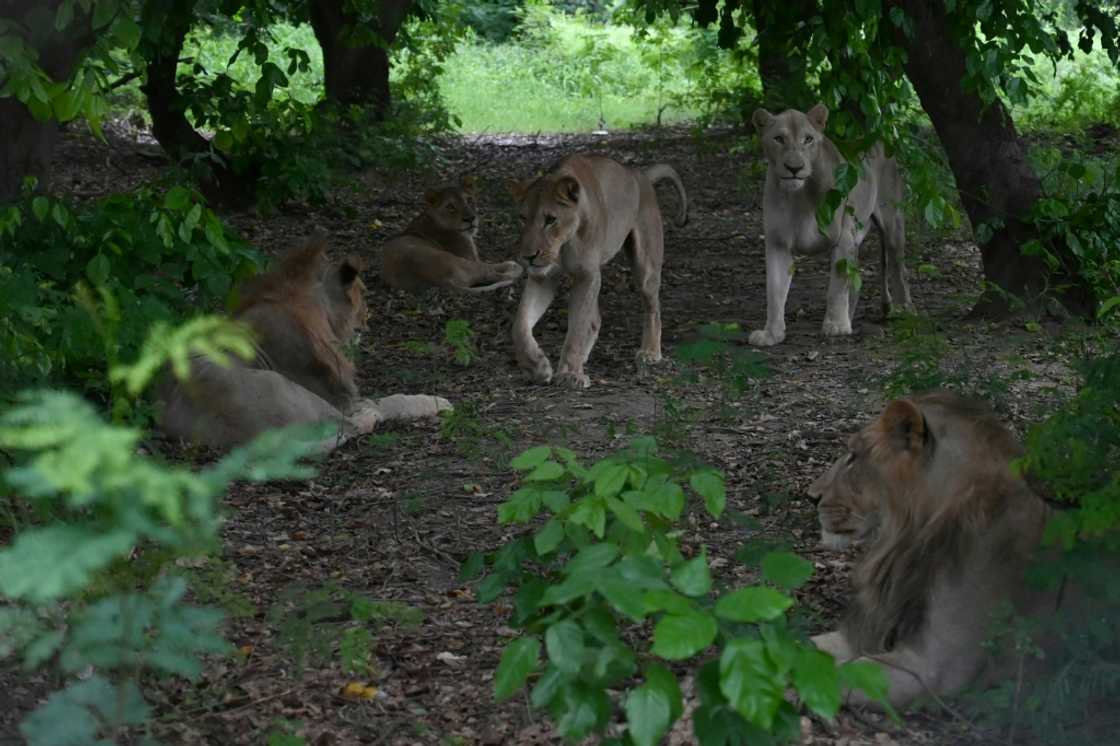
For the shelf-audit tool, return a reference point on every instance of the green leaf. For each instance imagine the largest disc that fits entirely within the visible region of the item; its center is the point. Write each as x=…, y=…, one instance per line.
x=817, y=681
x=678, y=637
x=548, y=538
x=692, y=577
x=547, y=687
x=1108, y=305
x=546, y=472
x=661, y=679
x=584, y=708
x=648, y=715
x=98, y=270
x=518, y=661
x=177, y=198
x=564, y=642
x=531, y=458
x=589, y=512
x=76, y=553
x=752, y=686
x=611, y=480
x=709, y=485
x=786, y=569
x=591, y=559
x=40, y=208
x=629, y=517
x=755, y=604
x=620, y=594
x=869, y=677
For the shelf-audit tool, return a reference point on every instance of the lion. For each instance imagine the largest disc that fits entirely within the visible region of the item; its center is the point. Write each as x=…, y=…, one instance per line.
x=437, y=249
x=950, y=529
x=801, y=163
x=300, y=314
x=576, y=218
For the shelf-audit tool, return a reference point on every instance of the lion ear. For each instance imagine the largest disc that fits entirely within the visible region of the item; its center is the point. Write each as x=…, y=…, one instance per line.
x=567, y=190
x=761, y=119
x=818, y=116
x=904, y=426
x=349, y=269
x=518, y=189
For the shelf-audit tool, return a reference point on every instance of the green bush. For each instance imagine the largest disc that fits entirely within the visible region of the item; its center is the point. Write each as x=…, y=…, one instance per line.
x=153, y=256
x=606, y=567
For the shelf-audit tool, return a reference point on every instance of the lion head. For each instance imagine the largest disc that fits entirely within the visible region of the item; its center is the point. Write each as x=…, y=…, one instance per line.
x=452, y=206
x=791, y=142
x=550, y=217
x=924, y=484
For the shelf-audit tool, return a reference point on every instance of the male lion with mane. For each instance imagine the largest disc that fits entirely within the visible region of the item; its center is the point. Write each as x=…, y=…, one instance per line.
x=437, y=249
x=301, y=314
x=576, y=218
x=951, y=529
x=800, y=166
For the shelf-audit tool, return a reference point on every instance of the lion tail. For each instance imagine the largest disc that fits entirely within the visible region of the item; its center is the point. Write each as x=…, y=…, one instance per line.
x=661, y=171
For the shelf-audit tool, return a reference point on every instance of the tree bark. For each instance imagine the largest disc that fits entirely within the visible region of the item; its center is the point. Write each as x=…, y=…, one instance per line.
x=995, y=180
x=26, y=143
x=780, y=66
x=357, y=74
x=170, y=126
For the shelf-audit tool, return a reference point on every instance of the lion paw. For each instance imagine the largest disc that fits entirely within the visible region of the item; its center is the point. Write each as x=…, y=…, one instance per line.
x=765, y=338
x=365, y=415
x=834, y=328
x=541, y=371
x=572, y=379
x=510, y=270
x=645, y=357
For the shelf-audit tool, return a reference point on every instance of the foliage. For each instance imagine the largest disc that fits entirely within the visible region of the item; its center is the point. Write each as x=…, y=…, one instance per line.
x=459, y=337
x=100, y=501
x=1081, y=211
x=463, y=426
x=312, y=622
x=719, y=353
x=606, y=567
x=150, y=254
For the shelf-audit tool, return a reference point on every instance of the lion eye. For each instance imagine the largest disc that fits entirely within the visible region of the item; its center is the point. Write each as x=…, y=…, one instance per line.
x=780, y=139
x=549, y=220
x=808, y=139
x=851, y=458
x=450, y=208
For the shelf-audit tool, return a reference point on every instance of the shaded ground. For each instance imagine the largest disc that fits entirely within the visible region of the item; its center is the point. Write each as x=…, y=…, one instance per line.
x=392, y=517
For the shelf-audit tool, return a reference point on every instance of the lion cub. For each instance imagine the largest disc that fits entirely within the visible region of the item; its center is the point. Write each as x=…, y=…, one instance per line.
x=301, y=314
x=575, y=219
x=800, y=165
x=437, y=248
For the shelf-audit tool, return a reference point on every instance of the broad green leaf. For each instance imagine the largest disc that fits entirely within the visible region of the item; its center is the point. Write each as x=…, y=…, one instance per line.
x=589, y=512
x=629, y=517
x=584, y=709
x=531, y=458
x=786, y=569
x=591, y=559
x=40, y=208
x=670, y=601
x=623, y=596
x=519, y=659
x=661, y=679
x=817, y=681
x=755, y=604
x=75, y=552
x=564, y=643
x=678, y=637
x=547, y=687
x=572, y=588
x=692, y=577
x=545, y=472
x=611, y=480
x=869, y=677
x=98, y=270
x=752, y=687
x=177, y=198
x=548, y=538
x=709, y=485
x=648, y=715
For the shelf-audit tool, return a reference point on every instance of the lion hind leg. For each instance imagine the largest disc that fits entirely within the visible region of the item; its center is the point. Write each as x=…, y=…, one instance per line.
x=891, y=221
x=647, y=255
x=494, y=277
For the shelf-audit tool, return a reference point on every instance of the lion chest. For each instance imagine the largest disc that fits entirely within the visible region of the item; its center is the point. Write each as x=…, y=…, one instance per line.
x=790, y=222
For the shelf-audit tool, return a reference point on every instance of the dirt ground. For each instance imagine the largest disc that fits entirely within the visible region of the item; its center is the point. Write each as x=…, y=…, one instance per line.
x=391, y=517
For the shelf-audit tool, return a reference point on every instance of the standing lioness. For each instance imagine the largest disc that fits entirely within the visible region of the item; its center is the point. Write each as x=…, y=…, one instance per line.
x=800, y=172
x=575, y=219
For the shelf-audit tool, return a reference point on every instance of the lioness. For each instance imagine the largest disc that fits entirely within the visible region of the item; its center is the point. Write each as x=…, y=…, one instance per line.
x=301, y=313
x=800, y=171
x=437, y=248
x=576, y=217
x=951, y=529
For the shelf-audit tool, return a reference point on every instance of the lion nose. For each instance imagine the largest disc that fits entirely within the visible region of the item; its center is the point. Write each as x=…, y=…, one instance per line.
x=527, y=258
x=796, y=169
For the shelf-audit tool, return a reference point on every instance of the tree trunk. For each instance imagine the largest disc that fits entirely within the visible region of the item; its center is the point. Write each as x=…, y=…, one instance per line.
x=780, y=66
x=989, y=162
x=170, y=125
x=357, y=74
x=26, y=144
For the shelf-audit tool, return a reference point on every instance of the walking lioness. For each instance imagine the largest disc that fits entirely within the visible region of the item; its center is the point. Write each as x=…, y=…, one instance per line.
x=575, y=219
x=437, y=248
x=800, y=171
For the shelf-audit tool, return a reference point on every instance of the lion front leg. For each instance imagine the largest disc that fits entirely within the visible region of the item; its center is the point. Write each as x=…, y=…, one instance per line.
x=535, y=300
x=583, y=330
x=841, y=294
x=779, y=274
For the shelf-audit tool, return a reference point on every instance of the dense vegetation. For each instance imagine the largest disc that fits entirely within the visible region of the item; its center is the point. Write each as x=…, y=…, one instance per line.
x=268, y=103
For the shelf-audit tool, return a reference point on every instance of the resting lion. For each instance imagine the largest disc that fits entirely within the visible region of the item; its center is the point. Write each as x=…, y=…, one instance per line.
x=437, y=248
x=800, y=171
x=575, y=219
x=301, y=314
x=950, y=529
